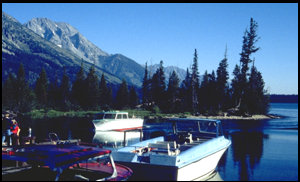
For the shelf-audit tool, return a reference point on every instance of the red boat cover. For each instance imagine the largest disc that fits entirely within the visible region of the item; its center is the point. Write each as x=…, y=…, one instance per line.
x=54, y=156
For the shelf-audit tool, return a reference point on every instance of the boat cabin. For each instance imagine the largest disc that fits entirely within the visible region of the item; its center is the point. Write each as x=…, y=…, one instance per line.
x=111, y=115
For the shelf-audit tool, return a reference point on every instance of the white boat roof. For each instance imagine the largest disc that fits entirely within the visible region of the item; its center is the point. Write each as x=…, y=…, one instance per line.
x=113, y=112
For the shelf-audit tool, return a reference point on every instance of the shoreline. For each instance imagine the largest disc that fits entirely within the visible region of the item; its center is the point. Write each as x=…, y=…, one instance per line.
x=253, y=117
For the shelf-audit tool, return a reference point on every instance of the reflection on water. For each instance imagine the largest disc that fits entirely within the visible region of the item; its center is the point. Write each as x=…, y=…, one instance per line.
x=115, y=139
x=260, y=150
x=247, y=150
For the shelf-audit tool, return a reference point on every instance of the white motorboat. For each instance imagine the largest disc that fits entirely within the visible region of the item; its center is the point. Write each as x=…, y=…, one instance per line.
x=190, y=152
x=110, y=127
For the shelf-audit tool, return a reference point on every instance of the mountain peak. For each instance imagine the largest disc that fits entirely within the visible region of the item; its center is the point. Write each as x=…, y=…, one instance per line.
x=8, y=17
x=67, y=37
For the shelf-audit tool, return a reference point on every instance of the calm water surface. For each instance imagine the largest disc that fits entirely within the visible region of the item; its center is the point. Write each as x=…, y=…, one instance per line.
x=262, y=150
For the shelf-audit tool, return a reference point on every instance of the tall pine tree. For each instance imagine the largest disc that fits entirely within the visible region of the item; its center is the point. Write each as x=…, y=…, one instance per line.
x=24, y=95
x=54, y=98
x=258, y=101
x=146, y=86
x=8, y=90
x=158, y=87
x=92, y=90
x=65, y=92
x=236, y=88
x=249, y=40
x=79, y=89
x=195, y=83
x=122, y=97
x=105, y=95
x=221, y=85
x=41, y=89
x=204, y=93
x=186, y=92
x=173, y=93
x=133, y=98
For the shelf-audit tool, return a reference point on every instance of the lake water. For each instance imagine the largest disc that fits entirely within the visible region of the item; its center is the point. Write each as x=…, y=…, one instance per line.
x=264, y=150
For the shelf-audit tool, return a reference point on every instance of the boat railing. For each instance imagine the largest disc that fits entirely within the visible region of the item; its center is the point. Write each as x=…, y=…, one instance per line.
x=164, y=147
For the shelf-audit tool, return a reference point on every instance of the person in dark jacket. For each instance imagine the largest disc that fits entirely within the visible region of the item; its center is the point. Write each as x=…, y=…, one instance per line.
x=6, y=128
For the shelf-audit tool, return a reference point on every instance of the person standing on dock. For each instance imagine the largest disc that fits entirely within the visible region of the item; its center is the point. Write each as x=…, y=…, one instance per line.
x=15, y=129
x=6, y=128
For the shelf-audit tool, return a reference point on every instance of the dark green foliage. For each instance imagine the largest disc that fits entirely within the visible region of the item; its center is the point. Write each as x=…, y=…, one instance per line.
x=222, y=85
x=65, y=92
x=208, y=93
x=173, y=93
x=105, y=94
x=8, y=92
x=16, y=93
x=158, y=87
x=146, y=86
x=248, y=48
x=248, y=94
x=41, y=89
x=195, y=83
x=236, y=87
x=185, y=93
x=53, y=94
x=122, y=97
x=257, y=99
x=91, y=90
x=78, y=89
x=133, y=98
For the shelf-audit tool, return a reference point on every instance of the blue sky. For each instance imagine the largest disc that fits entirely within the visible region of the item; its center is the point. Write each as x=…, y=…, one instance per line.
x=171, y=32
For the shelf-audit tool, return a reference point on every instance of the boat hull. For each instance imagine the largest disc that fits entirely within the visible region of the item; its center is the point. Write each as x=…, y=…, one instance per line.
x=198, y=170
x=116, y=138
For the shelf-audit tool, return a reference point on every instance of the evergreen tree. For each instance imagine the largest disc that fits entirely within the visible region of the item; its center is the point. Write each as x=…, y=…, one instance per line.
x=158, y=87
x=186, y=93
x=222, y=86
x=92, y=90
x=133, y=98
x=79, y=89
x=236, y=87
x=109, y=98
x=65, y=92
x=54, y=94
x=258, y=101
x=122, y=97
x=24, y=95
x=173, y=93
x=145, y=86
x=8, y=91
x=248, y=48
x=195, y=83
x=105, y=95
x=41, y=89
x=16, y=93
x=212, y=92
x=204, y=93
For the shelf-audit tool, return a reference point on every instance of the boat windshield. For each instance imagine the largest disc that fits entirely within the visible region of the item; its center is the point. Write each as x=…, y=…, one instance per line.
x=109, y=116
x=99, y=116
x=200, y=126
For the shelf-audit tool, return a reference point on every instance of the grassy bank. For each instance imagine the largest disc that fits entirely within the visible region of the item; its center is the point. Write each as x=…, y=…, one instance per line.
x=40, y=114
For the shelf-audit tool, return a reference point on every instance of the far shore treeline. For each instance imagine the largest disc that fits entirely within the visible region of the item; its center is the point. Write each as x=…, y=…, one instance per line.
x=215, y=94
